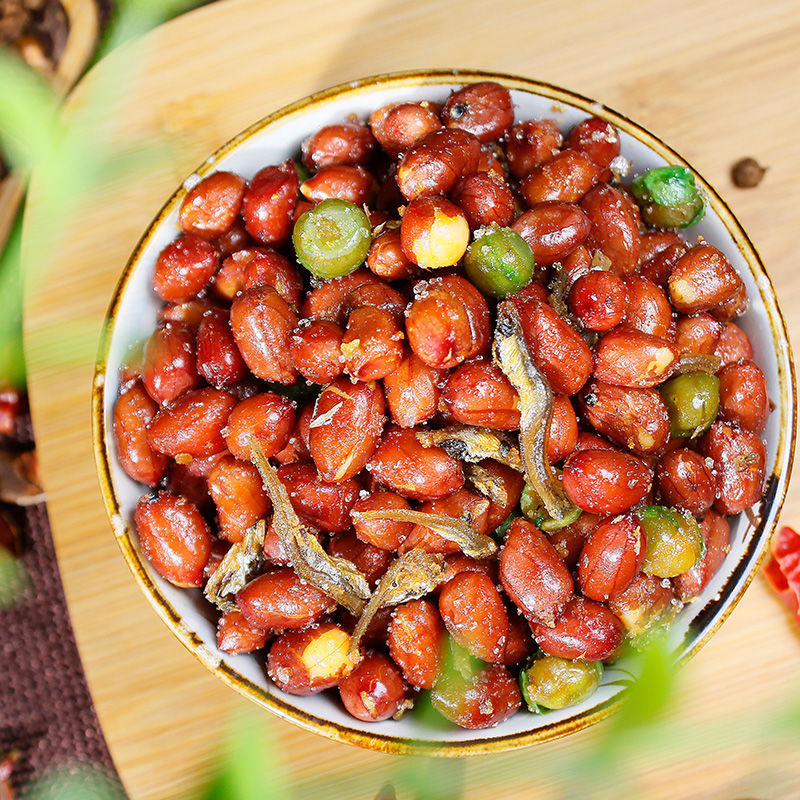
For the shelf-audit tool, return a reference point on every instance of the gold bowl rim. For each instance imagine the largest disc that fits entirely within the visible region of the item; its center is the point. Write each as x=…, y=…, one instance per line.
x=478, y=746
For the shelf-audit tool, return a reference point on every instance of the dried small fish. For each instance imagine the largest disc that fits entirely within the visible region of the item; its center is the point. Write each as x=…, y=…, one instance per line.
x=474, y=544
x=535, y=406
x=19, y=479
x=487, y=483
x=698, y=362
x=337, y=577
x=238, y=566
x=409, y=577
x=474, y=444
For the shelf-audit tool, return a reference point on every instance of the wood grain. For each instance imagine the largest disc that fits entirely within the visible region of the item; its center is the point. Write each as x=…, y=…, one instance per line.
x=717, y=80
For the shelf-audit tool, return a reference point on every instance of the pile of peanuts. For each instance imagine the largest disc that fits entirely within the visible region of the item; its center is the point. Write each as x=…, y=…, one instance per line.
x=335, y=368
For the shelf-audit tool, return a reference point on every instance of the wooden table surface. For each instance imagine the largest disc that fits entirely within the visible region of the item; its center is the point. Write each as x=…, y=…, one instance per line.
x=717, y=80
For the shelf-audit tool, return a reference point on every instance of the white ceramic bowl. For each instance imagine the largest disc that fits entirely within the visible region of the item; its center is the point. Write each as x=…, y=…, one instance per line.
x=132, y=317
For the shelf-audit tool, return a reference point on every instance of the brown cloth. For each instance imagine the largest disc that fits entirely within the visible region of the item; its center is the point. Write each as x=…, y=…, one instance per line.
x=46, y=710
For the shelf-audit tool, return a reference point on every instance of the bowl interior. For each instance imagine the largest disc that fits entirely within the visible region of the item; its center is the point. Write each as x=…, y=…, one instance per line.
x=133, y=315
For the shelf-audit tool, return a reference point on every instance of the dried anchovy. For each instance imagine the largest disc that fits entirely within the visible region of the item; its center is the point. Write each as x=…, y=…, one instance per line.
x=409, y=577
x=698, y=362
x=536, y=409
x=487, y=483
x=238, y=566
x=473, y=444
x=335, y=576
x=473, y=544
x=19, y=479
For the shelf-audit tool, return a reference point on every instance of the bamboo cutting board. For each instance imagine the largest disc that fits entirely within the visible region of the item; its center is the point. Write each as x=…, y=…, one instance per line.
x=716, y=80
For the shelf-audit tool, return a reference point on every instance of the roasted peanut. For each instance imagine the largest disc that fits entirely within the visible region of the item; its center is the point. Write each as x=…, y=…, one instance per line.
x=702, y=279
x=564, y=178
x=553, y=230
x=563, y=429
x=346, y=143
x=531, y=143
x=685, y=481
x=474, y=615
x=635, y=418
x=398, y=127
x=282, y=600
x=184, y=268
x=478, y=393
x=612, y=557
x=598, y=299
x=218, y=358
x=627, y=357
x=235, y=634
x=387, y=259
x=169, y=366
x=133, y=413
x=374, y=690
x=613, y=228
x=262, y=322
x=734, y=345
x=422, y=473
x=739, y=460
x=648, y=309
x=235, y=486
x=210, y=208
x=345, y=182
x=412, y=391
x=606, y=482
x=325, y=505
x=384, y=533
x=268, y=204
x=434, y=232
x=415, y=641
x=346, y=427
x=556, y=348
x=643, y=604
x=485, y=200
x=584, y=629
x=309, y=660
x=266, y=418
x=716, y=535
x=483, y=109
x=192, y=425
x=435, y=163
x=314, y=348
x=597, y=139
x=269, y=268
x=448, y=322
x=699, y=333
x=372, y=345
x=174, y=538
x=533, y=574
x=743, y=396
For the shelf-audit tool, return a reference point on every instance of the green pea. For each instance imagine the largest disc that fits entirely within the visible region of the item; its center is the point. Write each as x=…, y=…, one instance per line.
x=499, y=262
x=550, y=682
x=302, y=173
x=669, y=197
x=692, y=400
x=674, y=542
x=531, y=506
x=332, y=238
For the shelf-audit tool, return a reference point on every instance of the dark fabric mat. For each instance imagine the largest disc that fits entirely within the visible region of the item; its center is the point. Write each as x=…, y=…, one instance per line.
x=46, y=710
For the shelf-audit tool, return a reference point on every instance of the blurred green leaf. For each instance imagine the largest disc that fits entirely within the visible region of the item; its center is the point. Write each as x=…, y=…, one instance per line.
x=250, y=767
x=14, y=579
x=12, y=362
x=74, y=782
